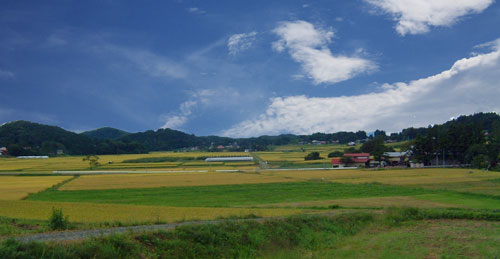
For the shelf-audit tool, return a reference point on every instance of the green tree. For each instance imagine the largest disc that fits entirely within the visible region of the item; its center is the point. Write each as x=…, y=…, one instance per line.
x=346, y=160
x=376, y=148
x=480, y=161
x=93, y=161
x=57, y=221
x=15, y=150
x=335, y=154
x=312, y=156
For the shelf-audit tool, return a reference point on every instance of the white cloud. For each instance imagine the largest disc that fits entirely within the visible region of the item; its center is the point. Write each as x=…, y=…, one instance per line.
x=176, y=121
x=470, y=85
x=240, y=42
x=196, y=10
x=6, y=74
x=56, y=40
x=309, y=46
x=416, y=16
x=186, y=109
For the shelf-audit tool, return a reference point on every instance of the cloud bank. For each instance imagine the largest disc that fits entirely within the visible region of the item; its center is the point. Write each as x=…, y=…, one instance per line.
x=308, y=46
x=417, y=16
x=470, y=85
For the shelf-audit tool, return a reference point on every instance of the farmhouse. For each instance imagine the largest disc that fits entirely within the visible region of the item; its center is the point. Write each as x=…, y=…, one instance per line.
x=230, y=159
x=359, y=159
x=336, y=163
x=352, y=159
x=396, y=158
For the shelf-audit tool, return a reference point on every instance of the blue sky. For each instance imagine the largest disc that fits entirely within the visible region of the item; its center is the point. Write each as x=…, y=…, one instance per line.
x=248, y=68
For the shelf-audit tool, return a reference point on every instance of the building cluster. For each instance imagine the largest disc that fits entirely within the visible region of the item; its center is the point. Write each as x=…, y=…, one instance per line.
x=365, y=160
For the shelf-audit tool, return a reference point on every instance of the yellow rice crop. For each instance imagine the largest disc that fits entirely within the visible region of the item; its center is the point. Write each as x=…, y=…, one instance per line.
x=18, y=187
x=91, y=213
x=396, y=177
x=93, y=182
x=70, y=163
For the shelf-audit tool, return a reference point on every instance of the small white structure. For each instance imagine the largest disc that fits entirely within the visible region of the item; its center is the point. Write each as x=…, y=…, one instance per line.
x=33, y=157
x=230, y=159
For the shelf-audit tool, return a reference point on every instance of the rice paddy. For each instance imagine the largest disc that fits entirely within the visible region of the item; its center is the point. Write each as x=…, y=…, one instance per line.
x=188, y=188
x=394, y=177
x=19, y=187
x=114, y=162
x=94, y=213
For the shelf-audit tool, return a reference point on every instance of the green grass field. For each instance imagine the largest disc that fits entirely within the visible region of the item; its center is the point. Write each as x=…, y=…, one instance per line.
x=229, y=195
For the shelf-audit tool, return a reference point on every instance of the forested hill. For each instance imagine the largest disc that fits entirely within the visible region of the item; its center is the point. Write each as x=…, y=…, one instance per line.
x=28, y=138
x=23, y=137
x=106, y=133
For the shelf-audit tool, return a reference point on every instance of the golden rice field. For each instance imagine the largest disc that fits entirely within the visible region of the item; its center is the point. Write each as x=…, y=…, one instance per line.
x=395, y=177
x=100, y=182
x=71, y=163
x=297, y=157
x=18, y=187
x=93, y=213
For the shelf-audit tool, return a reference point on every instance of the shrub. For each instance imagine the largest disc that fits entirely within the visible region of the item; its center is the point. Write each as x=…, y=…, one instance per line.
x=312, y=156
x=57, y=220
x=335, y=154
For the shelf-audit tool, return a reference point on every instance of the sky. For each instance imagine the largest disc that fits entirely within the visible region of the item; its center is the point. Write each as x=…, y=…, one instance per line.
x=248, y=68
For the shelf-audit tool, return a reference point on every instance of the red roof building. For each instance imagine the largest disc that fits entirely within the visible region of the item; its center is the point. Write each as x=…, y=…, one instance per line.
x=359, y=157
x=336, y=161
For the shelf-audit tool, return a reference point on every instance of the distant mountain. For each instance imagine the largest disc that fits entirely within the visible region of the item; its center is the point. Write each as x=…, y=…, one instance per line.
x=35, y=138
x=105, y=133
x=29, y=138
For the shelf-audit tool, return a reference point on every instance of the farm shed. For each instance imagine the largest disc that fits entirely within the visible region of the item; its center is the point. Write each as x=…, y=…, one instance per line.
x=230, y=159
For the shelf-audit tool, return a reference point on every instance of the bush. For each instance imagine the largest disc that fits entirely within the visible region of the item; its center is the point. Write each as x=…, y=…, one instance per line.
x=480, y=161
x=335, y=154
x=312, y=156
x=57, y=220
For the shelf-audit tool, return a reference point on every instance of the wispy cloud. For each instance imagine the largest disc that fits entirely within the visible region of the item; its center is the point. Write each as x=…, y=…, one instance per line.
x=6, y=74
x=417, y=16
x=149, y=62
x=240, y=42
x=309, y=46
x=196, y=10
x=470, y=85
x=178, y=119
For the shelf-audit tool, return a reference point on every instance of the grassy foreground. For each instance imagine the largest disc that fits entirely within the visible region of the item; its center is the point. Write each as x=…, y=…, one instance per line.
x=397, y=233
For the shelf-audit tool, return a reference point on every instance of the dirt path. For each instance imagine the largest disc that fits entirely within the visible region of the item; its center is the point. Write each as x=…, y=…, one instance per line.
x=84, y=234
